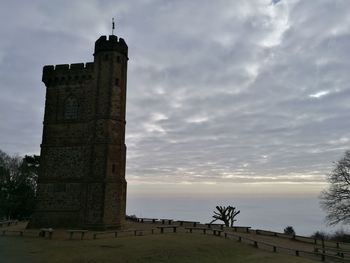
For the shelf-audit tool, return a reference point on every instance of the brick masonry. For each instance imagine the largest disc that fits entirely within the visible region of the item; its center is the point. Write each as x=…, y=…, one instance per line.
x=83, y=152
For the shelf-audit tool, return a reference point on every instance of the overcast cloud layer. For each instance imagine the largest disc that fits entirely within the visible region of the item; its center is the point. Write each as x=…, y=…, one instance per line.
x=218, y=91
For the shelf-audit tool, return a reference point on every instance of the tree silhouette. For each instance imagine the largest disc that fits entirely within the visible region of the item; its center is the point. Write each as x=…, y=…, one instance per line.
x=225, y=214
x=336, y=199
x=18, y=178
x=289, y=230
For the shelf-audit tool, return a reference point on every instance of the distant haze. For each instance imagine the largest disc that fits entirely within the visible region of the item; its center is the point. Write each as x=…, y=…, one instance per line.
x=260, y=212
x=223, y=96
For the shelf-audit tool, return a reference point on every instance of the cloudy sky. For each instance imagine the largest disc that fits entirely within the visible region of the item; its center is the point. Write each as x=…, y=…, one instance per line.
x=222, y=95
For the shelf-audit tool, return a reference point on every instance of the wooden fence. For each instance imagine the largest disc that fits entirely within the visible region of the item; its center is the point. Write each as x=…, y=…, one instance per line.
x=278, y=249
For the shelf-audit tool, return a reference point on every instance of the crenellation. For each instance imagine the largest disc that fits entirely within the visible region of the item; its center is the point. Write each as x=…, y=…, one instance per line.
x=76, y=66
x=122, y=41
x=89, y=65
x=66, y=68
x=66, y=74
x=62, y=67
x=49, y=68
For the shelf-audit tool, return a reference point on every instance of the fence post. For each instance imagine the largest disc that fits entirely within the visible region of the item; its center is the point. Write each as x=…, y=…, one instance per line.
x=297, y=253
x=239, y=239
x=274, y=249
x=256, y=244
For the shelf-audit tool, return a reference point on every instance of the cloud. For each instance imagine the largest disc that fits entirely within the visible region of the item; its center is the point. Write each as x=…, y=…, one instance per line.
x=319, y=94
x=236, y=91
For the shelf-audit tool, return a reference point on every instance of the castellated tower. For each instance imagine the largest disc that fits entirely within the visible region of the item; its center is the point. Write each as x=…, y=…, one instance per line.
x=83, y=153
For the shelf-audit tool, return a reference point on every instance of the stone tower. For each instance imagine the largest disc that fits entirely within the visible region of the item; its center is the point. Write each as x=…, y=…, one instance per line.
x=83, y=153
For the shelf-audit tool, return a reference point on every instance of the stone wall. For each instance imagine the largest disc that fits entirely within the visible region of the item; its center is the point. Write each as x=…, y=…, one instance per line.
x=82, y=170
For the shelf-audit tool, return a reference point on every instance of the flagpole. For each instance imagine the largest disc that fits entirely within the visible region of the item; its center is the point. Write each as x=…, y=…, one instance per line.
x=113, y=25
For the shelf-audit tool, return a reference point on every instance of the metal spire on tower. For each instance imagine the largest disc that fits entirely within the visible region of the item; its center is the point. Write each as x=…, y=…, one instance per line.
x=113, y=25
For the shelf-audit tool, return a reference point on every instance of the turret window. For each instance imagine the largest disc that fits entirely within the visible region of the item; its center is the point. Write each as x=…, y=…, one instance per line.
x=117, y=82
x=71, y=108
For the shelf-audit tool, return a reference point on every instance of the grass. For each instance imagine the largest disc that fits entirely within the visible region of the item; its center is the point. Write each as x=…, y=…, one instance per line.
x=171, y=248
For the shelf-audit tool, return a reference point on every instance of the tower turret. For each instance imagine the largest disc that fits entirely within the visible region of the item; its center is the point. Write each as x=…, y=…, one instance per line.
x=112, y=44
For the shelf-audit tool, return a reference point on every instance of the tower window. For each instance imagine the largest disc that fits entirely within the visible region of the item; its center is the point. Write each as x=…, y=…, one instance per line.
x=113, y=168
x=118, y=59
x=117, y=82
x=71, y=108
x=105, y=57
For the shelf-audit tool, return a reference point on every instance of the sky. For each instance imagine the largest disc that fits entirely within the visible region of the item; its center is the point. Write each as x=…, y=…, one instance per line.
x=223, y=96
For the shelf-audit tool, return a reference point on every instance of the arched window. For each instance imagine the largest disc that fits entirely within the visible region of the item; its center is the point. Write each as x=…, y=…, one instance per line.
x=71, y=108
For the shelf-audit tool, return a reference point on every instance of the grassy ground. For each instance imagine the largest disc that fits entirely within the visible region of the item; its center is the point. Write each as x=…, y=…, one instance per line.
x=179, y=247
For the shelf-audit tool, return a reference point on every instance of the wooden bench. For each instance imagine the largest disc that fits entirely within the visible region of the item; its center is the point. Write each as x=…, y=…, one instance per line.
x=43, y=231
x=105, y=233
x=72, y=231
x=194, y=224
x=267, y=233
x=8, y=222
x=166, y=220
x=198, y=228
x=2, y=223
x=135, y=231
x=170, y=226
x=20, y=232
x=245, y=228
x=217, y=232
x=143, y=220
x=221, y=226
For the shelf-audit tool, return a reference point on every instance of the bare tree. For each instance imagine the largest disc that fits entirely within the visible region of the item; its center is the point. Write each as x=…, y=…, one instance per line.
x=336, y=199
x=225, y=214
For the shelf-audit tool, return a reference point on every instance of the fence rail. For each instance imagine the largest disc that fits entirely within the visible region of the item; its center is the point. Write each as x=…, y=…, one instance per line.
x=284, y=250
x=311, y=240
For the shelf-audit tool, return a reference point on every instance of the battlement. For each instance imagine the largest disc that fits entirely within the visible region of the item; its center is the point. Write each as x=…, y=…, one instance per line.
x=64, y=68
x=111, y=44
x=67, y=72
